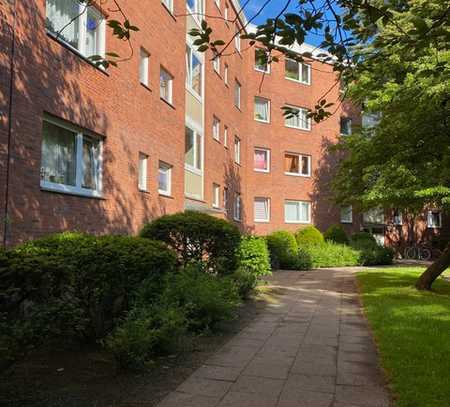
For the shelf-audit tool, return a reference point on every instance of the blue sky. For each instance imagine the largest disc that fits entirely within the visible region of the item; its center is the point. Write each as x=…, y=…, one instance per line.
x=272, y=10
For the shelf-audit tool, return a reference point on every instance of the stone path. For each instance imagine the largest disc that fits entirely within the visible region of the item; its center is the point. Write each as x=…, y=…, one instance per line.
x=310, y=348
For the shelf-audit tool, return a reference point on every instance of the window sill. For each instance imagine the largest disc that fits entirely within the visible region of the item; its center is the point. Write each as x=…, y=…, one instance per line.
x=262, y=171
x=298, y=81
x=296, y=128
x=146, y=86
x=293, y=174
x=61, y=189
x=261, y=71
x=169, y=11
x=165, y=195
x=262, y=121
x=262, y=221
x=67, y=46
x=346, y=222
x=167, y=103
x=297, y=222
x=144, y=191
x=217, y=140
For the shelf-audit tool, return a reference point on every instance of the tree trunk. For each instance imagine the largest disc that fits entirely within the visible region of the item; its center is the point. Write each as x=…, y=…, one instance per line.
x=434, y=271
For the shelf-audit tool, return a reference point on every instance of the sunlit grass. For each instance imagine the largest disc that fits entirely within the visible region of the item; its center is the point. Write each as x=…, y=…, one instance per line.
x=412, y=330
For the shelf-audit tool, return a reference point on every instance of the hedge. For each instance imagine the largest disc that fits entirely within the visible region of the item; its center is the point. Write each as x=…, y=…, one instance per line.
x=283, y=250
x=309, y=235
x=198, y=237
x=330, y=254
x=336, y=234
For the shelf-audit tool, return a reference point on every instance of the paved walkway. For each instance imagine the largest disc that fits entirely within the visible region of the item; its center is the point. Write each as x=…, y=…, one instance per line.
x=310, y=348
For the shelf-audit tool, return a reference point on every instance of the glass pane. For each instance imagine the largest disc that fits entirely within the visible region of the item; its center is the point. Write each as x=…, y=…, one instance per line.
x=189, y=154
x=293, y=120
x=61, y=19
x=196, y=74
x=292, y=163
x=304, y=211
x=261, y=60
x=291, y=211
x=58, y=155
x=164, y=85
x=91, y=153
x=305, y=165
x=291, y=68
x=305, y=73
x=261, y=109
x=163, y=178
x=260, y=159
x=198, y=148
x=92, y=32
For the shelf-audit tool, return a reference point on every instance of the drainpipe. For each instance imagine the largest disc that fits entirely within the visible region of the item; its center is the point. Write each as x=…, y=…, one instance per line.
x=10, y=102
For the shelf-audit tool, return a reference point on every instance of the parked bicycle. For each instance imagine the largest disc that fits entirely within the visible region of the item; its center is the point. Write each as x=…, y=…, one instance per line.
x=418, y=252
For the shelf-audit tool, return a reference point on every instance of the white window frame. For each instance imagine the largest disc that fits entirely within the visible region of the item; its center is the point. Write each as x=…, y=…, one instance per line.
x=300, y=158
x=346, y=210
x=225, y=74
x=197, y=134
x=226, y=13
x=217, y=3
x=168, y=4
x=298, y=203
x=237, y=150
x=237, y=210
x=216, y=64
x=225, y=136
x=237, y=94
x=167, y=167
x=190, y=53
x=198, y=12
x=430, y=224
x=82, y=23
x=216, y=128
x=300, y=67
x=143, y=172
x=76, y=189
x=237, y=37
x=268, y=109
x=144, y=59
x=266, y=71
x=347, y=119
x=267, y=151
x=170, y=82
x=267, y=201
x=308, y=119
x=216, y=195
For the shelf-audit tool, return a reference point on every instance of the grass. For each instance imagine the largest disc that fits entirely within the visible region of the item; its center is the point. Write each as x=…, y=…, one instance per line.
x=412, y=330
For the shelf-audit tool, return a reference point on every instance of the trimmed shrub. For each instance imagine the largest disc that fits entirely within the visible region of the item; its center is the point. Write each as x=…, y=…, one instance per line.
x=206, y=299
x=364, y=237
x=309, y=235
x=336, y=234
x=373, y=254
x=330, y=254
x=283, y=250
x=144, y=333
x=197, y=237
x=254, y=261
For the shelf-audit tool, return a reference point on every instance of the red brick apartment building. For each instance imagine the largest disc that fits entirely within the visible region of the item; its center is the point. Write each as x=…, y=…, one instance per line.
x=169, y=129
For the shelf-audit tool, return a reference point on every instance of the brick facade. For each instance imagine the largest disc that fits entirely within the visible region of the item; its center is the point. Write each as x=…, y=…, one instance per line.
x=53, y=80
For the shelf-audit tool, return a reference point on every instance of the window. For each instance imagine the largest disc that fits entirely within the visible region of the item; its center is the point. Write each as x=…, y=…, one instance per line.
x=142, y=172
x=164, y=178
x=225, y=74
x=397, y=217
x=346, y=126
x=297, y=212
x=261, y=60
x=374, y=216
x=434, y=219
x=217, y=3
x=225, y=136
x=237, y=38
x=71, y=160
x=225, y=199
x=226, y=12
x=262, y=110
x=216, y=196
x=298, y=71
x=143, y=66
x=168, y=4
x=216, y=128
x=237, y=150
x=262, y=160
x=347, y=214
x=297, y=164
x=298, y=118
x=79, y=25
x=237, y=94
x=196, y=8
x=216, y=64
x=237, y=208
x=261, y=209
x=165, y=85
x=193, y=71
x=193, y=150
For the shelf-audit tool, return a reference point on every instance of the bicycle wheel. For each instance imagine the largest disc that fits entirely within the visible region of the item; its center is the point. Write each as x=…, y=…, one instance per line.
x=425, y=254
x=410, y=253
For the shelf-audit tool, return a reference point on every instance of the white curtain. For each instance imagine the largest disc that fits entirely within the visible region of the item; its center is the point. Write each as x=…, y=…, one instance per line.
x=59, y=15
x=58, y=155
x=291, y=211
x=304, y=211
x=90, y=163
x=93, y=19
x=306, y=72
x=261, y=209
x=261, y=109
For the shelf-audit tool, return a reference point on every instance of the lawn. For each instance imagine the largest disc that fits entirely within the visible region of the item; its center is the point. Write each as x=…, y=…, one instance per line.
x=412, y=330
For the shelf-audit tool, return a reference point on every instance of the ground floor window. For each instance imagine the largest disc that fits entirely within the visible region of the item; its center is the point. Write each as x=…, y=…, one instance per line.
x=297, y=211
x=262, y=209
x=71, y=159
x=165, y=178
x=346, y=214
x=237, y=208
x=434, y=219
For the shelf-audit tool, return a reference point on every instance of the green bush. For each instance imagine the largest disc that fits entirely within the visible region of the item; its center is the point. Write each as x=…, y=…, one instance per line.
x=336, y=234
x=244, y=282
x=144, y=333
x=196, y=237
x=330, y=254
x=309, y=235
x=373, y=254
x=206, y=299
x=283, y=250
x=364, y=237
